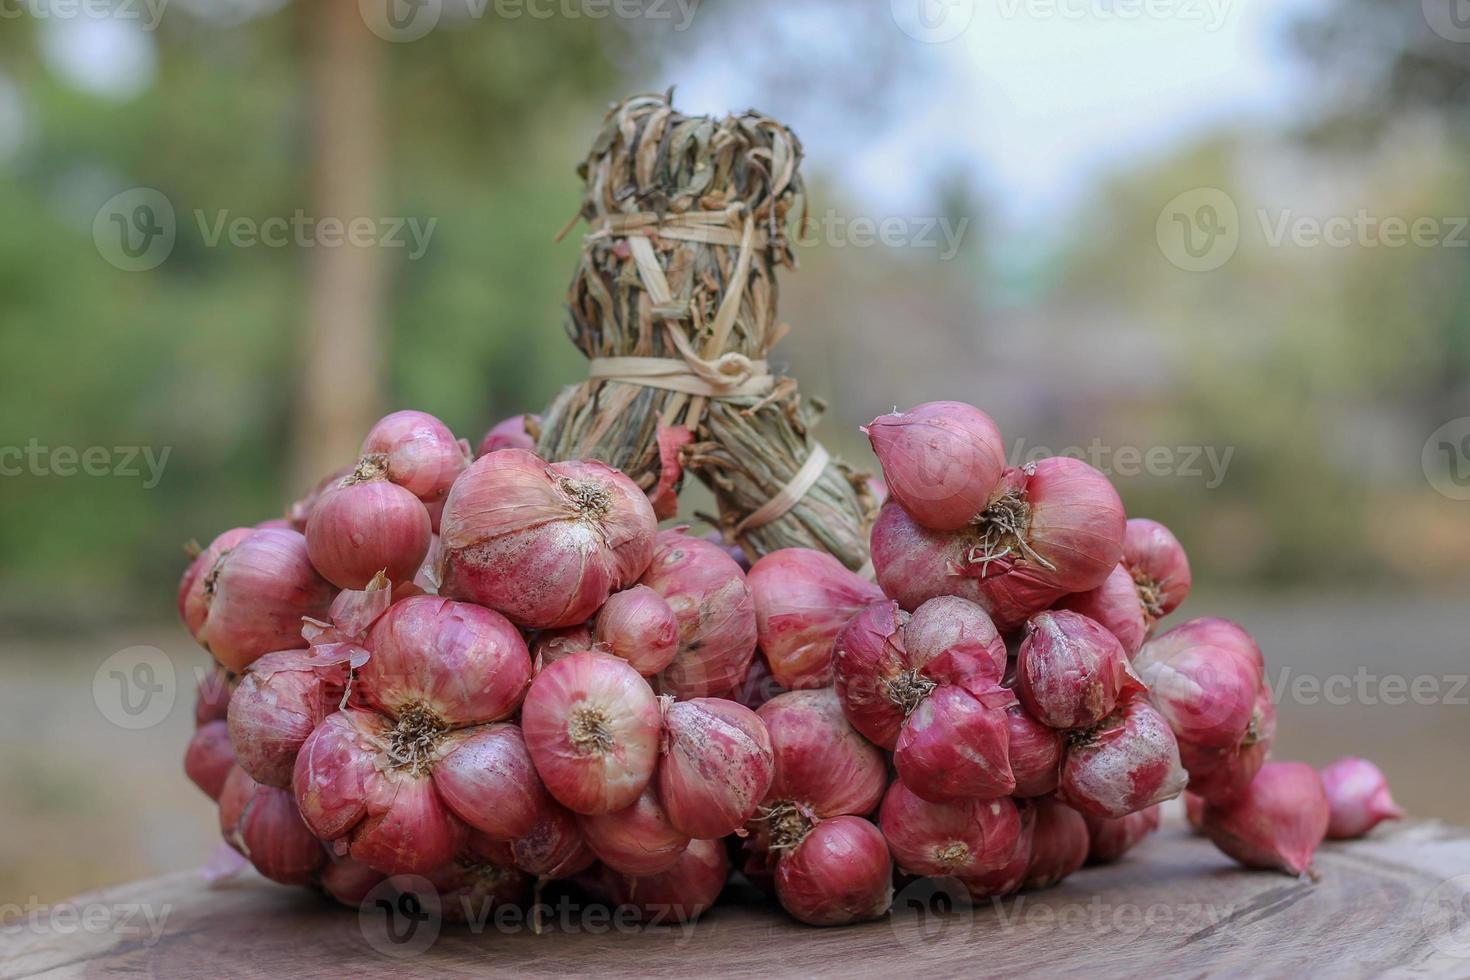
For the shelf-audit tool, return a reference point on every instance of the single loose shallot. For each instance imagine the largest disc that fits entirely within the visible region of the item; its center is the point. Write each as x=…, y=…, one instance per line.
x=543, y=543
x=803, y=599
x=941, y=461
x=1358, y=797
x=592, y=729
x=1277, y=822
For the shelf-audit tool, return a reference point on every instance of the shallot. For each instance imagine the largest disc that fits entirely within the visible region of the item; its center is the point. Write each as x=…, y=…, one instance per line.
x=941, y=461
x=640, y=627
x=636, y=840
x=1128, y=763
x=803, y=598
x=717, y=626
x=958, y=839
x=716, y=766
x=511, y=433
x=838, y=872
x=1111, y=838
x=1277, y=822
x=1059, y=844
x=1070, y=672
x=1358, y=796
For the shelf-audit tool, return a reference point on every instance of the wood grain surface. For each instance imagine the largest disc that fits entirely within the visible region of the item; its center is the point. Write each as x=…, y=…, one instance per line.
x=1397, y=903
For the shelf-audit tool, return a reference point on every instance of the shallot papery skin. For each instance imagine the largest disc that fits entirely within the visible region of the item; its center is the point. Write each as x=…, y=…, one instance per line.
x=592, y=728
x=682, y=893
x=192, y=603
x=1112, y=838
x=839, y=873
x=941, y=461
x=280, y=700
x=543, y=543
x=485, y=776
x=955, y=745
x=822, y=763
x=1204, y=677
x=464, y=664
x=553, y=645
x=418, y=452
x=255, y=596
x=1126, y=764
x=1059, y=844
x=209, y=758
x=1008, y=878
x=366, y=780
x=365, y=527
x=640, y=627
x=1358, y=798
x=1115, y=606
x=263, y=824
x=1158, y=564
x=803, y=598
x=636, y=840
x=716, y=766
x=1277, y=823
x=1052, y=527
x=1035, y=753
x=469, y=889
x=717, y=625
x=349, y=881
x=1220, y=775
x=1071, y=672
x=511, y=433
x=959, y=839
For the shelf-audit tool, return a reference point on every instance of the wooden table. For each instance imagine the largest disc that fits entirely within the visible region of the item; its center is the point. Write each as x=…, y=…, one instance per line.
x=1398, y=902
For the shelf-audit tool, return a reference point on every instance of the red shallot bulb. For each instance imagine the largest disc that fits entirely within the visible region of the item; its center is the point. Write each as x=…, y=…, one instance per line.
x=1357, y=794
x=592, y=729
x=349, y=881
x=803, y=598
x=192, y=603
x=638, y=626
x=1070, y=672
x=1008, y=878
x=280, y=700
x=212, y=698
x=543, y=543
x=366, y=526
x=1116, y=606
x=941, y=461
x=462, y=664
x=717, y=626
x=1220, y=775
x=255, y=596
x=958, y=839
x=1204, y=677
x=1035, y=753
x=209, y=758
x=511, y=433
x=937, y=704
x=554, y=848
x=682, y=893
x=366, y=779
x=485, y=776
x=840, y=872
x=470, y=889
x=821, y=764
x=1126, y=764
x=1277, y=822
x=262, y=823
x=636, y=840
x=417, y=452
x=1112, y=838
x=1059, y=844
x=716, y=766
x=1159, y=566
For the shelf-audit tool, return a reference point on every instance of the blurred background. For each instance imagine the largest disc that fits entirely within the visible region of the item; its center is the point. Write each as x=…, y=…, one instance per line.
x=1219, y=248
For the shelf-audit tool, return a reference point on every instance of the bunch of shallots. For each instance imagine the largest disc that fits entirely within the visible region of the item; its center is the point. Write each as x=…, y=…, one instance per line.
x=475, y=675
